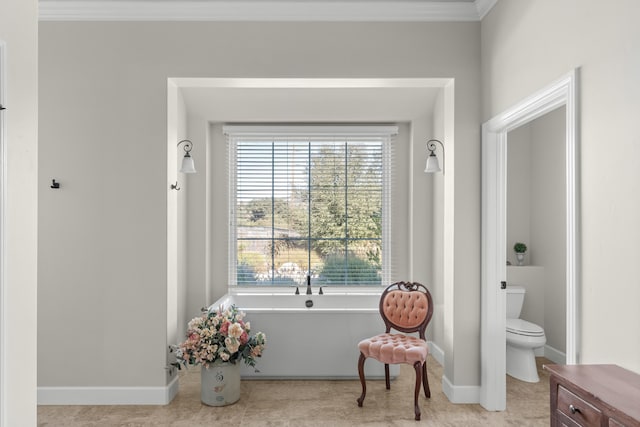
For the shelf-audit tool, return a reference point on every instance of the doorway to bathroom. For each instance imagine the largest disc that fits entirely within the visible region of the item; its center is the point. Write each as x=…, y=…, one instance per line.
x=561, y=94
x=536, y=223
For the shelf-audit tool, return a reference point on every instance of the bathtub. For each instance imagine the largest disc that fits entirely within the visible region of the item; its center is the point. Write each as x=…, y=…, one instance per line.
x=310, y=336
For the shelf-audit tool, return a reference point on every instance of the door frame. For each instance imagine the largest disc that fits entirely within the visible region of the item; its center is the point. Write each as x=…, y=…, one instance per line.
x=563, y=92
x=3, y=192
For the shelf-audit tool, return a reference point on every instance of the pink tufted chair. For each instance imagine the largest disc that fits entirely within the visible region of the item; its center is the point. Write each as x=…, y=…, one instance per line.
x=405, y=307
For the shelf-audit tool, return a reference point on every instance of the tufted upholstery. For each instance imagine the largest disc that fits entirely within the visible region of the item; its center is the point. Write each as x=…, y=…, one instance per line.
x=394, y=348
x=405, y=307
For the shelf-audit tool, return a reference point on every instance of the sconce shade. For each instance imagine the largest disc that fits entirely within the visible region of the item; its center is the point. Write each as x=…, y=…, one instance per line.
x=188, y=165
x=433, y=165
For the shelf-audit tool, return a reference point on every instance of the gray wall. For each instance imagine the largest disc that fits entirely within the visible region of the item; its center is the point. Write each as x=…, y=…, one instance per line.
x=548, y=223
x=526, y=45
x=112, y=218
x=519, y=191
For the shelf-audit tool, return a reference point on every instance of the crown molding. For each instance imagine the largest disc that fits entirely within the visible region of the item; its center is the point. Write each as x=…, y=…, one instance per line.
x=282, y=10
x=483, y=7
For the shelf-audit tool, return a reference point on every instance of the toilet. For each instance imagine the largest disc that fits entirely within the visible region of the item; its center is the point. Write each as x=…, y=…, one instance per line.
x=522, y=338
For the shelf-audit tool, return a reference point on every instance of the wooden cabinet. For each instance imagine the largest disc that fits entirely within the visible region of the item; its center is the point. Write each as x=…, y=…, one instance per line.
x=594, y=396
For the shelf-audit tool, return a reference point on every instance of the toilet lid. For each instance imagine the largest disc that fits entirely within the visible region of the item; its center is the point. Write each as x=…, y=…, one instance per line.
x=522, y=327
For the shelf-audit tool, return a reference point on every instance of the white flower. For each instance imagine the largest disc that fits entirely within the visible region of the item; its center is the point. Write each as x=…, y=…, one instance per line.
x=194, y=323
x=232, y=344
x=235, y=330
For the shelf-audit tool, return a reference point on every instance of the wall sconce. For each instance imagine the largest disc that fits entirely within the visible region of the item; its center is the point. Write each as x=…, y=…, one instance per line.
x=187, y=161
x=433, y=165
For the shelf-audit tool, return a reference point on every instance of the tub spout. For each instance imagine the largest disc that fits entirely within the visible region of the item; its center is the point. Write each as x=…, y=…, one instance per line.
x=297, y=291
x=308, y=285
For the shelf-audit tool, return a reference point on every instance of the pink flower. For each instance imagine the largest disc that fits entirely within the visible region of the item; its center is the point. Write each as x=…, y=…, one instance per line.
x=244, y=338
x=224, y=329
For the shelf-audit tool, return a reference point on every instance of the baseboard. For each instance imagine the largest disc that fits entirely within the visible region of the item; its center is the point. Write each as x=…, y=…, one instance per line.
x=556, y=356
x=436, y=352
x=455, y=394
x=108, y=395
x=460, y=393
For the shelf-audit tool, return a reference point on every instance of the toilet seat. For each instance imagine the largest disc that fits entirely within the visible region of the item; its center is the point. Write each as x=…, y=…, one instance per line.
x=524, y=328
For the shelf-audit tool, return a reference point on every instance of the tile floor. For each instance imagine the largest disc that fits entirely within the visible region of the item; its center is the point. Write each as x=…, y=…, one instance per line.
x=317, y=403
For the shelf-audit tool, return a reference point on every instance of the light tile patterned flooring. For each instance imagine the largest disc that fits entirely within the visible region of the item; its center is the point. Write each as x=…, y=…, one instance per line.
x=317, y=403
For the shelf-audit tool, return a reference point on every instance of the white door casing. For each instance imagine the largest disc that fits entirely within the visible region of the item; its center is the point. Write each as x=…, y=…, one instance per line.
x=3, y=183
x=494, y=165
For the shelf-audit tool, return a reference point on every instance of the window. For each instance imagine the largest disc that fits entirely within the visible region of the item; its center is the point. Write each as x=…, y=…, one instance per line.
x=309, y=201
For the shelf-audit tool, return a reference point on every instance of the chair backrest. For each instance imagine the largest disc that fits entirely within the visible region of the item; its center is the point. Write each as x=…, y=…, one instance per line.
x=406, y=307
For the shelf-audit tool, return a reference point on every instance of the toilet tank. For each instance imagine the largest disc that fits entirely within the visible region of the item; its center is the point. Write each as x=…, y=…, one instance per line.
x=515, y=299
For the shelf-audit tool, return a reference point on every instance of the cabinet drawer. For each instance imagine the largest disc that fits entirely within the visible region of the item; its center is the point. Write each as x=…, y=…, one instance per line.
x=577, y=409
x=563, y=421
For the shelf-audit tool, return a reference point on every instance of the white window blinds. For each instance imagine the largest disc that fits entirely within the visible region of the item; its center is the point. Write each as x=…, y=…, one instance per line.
x=309, y=201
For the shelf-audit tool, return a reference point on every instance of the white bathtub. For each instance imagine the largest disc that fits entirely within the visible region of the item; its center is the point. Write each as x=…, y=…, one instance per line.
x=320, y=341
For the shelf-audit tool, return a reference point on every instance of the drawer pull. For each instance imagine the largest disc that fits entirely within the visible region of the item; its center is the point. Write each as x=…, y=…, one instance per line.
x=573, y=409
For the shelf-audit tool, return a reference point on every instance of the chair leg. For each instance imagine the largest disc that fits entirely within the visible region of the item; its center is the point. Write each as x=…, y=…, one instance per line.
x=386, y=376
x=362, y=381
x=425, y=381
x=417, y=367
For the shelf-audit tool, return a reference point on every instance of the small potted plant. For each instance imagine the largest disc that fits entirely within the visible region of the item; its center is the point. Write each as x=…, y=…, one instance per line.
x=520, y=249
x=218, y=340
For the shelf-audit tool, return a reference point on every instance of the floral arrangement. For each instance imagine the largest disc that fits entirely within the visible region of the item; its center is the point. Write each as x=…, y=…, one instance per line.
x=219, y=335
